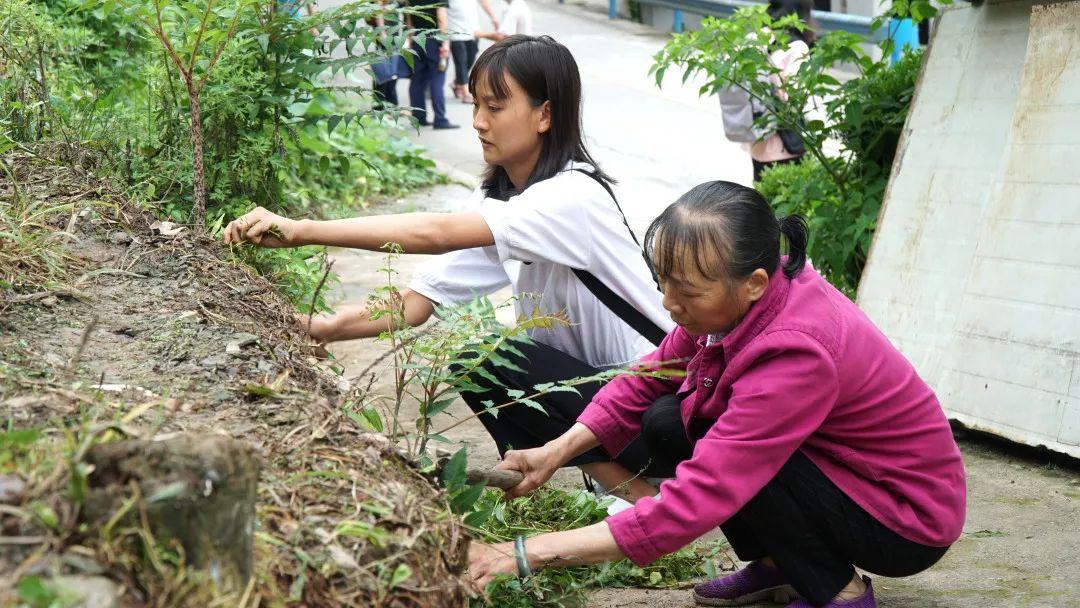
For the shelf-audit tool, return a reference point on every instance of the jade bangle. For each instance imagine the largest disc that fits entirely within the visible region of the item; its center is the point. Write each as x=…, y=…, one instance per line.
x=522, y=561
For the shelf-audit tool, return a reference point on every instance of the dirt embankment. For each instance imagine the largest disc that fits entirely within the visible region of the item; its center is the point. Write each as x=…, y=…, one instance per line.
x=153, y=335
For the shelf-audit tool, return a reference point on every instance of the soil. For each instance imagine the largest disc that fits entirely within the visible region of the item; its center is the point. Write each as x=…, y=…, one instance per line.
x=155, y=333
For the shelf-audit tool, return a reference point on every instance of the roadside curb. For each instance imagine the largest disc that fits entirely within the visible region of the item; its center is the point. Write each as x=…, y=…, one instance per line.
x=456, y=175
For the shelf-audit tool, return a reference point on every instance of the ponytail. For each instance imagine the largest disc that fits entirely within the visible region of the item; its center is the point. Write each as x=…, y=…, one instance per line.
x=794, y=229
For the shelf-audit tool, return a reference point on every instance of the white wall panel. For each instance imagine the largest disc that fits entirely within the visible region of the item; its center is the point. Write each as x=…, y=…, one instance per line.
x=975, y=268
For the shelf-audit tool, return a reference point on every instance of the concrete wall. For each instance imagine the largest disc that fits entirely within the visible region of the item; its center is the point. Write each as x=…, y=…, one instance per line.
x=975, y=269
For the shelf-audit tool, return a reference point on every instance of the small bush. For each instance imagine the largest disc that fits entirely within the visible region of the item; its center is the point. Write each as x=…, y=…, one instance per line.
x=874, y=109
x=278, y=131
x=840, y=193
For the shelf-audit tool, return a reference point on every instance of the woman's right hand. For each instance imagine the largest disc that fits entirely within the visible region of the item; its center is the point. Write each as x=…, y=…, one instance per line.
x=264, y=228
x=536, y=464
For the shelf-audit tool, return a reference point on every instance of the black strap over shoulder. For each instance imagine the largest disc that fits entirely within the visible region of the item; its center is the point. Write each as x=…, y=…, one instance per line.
x=614, y=302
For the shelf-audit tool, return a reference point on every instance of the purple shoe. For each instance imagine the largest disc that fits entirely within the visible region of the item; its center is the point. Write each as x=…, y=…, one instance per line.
x=866, y=600
x=754, y=583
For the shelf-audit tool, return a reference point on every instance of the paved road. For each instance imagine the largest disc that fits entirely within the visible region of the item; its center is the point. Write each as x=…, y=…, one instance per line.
x=657, y=142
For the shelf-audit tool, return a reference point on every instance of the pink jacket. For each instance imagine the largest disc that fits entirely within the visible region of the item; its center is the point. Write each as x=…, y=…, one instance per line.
x=804, y=370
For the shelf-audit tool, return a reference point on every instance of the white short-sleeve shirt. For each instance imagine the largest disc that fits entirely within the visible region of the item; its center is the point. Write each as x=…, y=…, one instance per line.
x=565, y=222
x=516, y=19
x=463, y=19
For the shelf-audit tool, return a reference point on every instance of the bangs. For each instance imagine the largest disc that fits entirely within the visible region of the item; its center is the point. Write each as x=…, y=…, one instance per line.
x=491, y=72
x=686, y=246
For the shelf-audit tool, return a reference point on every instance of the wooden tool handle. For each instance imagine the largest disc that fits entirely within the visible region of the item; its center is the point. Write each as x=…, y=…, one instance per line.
x=494, y=478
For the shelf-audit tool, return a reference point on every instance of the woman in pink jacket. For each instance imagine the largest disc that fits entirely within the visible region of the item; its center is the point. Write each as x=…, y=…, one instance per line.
x=809, y=439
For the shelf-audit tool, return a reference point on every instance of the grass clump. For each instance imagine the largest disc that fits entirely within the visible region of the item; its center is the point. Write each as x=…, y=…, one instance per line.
x=550, y=509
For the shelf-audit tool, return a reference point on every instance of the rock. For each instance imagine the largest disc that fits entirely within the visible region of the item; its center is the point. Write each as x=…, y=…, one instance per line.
x=49, y=301
x=12, y=489
x=214, y=361
x=239, y=341
x=189, y=316
x=220, y=395
x=119, y=237
x=344, y=386
x=55, y=360
x=199, y=490
x=85, y=591
x=125, y=388
x=76, y=222
x=166, y=228
x=126, y=330
x=244, y=338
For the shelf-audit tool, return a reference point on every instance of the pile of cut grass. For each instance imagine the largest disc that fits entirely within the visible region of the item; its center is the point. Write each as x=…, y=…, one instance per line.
x=110, y=330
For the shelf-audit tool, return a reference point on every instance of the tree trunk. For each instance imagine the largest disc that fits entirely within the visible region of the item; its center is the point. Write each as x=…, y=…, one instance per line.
x=199, y=490
x=199, y=208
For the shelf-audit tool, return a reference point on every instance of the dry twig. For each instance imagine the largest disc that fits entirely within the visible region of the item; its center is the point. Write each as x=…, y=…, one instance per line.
x=315, y=296
x=74, y=362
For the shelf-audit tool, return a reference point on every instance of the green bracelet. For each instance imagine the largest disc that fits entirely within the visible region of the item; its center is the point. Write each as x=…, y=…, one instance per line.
x=522, y=561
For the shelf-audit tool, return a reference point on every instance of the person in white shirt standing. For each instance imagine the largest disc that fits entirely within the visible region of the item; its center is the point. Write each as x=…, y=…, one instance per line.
x=464, y=17
x=516, y=19
x=738, y=110
x=545, y=222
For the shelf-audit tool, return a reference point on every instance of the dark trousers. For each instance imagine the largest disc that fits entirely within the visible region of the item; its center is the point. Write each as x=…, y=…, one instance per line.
x=522, y=427
x=427, y=79
x=814, y=533
x=386, y=94
x=464, y=54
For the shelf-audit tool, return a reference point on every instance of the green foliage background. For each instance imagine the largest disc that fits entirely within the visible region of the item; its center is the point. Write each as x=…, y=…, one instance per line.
x=840, y=97
x=874, y=108
x=280, y=130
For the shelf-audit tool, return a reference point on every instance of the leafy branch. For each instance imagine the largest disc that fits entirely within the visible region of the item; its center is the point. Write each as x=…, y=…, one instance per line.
x=194, y=84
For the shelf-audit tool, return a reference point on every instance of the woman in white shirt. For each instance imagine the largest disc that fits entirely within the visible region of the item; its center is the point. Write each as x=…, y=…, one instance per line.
x=739, y=111
x=517, y=19
x=543, y=221
x=464, y=18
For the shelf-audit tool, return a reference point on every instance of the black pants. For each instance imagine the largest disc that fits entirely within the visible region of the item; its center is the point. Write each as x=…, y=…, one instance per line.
x=814, y=533
x=760, y=166
x=426, y=80
x=661, y=446
x=386, y=94
x=464, y=54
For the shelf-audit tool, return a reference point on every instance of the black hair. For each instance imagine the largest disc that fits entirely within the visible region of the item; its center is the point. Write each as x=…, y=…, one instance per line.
x=547, y=72
x=802, y=8
x=726, y=231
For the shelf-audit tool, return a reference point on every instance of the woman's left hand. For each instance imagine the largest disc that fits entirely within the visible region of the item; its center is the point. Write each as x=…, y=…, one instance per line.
x=487, y=561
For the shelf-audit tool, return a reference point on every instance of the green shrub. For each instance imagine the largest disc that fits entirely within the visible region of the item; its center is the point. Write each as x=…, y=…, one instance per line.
x=840, y=194
x=278, y=129
x=26, y=40
x=874, y=109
